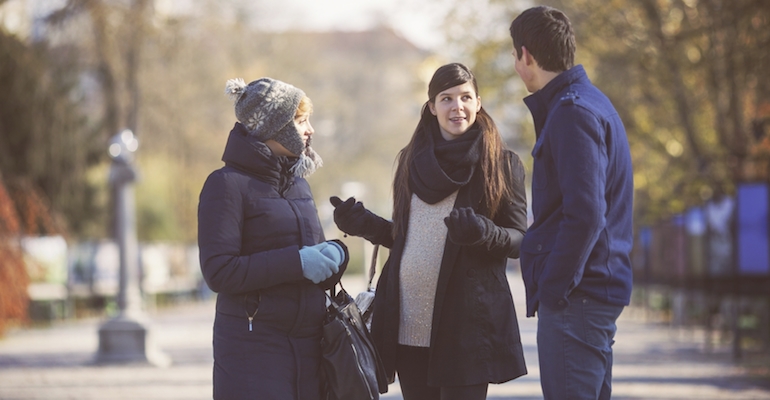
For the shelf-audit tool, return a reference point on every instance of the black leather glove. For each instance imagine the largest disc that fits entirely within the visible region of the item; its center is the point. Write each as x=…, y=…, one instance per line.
x=351, y=216
x=354, y=219
x=465, y=227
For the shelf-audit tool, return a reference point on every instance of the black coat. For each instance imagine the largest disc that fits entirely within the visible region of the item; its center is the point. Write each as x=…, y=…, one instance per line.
x=475, y=334
x=253, y=217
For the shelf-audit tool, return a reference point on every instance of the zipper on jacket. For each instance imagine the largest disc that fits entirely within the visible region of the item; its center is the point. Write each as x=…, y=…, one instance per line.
x=251, y=316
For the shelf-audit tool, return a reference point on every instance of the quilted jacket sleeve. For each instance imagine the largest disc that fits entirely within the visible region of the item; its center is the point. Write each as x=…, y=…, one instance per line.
x=220, y=223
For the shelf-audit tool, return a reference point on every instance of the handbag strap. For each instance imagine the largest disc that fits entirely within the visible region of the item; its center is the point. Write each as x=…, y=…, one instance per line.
x=333, y=289
x=373, y=265
x=370, y=273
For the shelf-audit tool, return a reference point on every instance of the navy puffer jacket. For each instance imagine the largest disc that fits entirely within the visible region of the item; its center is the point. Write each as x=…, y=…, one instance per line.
x=253, y=218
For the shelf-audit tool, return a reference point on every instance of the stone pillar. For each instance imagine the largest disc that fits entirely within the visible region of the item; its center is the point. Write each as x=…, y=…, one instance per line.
x=126, y=337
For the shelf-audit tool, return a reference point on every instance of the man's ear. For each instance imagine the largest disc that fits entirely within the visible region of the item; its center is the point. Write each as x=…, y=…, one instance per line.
x=526, y=56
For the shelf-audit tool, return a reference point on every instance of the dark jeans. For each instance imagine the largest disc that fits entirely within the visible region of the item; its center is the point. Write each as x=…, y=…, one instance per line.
x=574, y=346
x=412, y=368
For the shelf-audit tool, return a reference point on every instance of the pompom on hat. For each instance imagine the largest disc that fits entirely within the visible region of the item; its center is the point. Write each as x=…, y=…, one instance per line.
x=267, y=108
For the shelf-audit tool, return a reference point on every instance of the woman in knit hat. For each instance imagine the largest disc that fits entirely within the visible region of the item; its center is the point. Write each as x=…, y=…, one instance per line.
x=262, y=249
x=443, y=315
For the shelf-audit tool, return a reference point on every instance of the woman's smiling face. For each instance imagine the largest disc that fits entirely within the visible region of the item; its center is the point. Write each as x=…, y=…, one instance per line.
x=456, y=109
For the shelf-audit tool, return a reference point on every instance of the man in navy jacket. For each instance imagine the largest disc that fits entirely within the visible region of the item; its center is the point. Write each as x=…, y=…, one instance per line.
x=575, y=256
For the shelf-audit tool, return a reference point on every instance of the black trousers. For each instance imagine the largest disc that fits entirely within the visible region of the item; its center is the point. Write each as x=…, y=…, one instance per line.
x=412, y=368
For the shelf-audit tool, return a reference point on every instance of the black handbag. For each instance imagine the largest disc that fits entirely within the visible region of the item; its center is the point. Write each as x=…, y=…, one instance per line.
x=350, y=361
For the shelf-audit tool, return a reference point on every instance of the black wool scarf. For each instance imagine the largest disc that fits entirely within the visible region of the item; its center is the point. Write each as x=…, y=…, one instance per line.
x=440, y=167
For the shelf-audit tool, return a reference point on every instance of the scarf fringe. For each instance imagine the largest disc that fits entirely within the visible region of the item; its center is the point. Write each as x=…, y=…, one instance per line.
x=309, y=161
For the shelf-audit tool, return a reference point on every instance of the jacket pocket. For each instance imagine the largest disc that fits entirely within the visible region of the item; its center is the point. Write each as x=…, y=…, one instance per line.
x=535, y=249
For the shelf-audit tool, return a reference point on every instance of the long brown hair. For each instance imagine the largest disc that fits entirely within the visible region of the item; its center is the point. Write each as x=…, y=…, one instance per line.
x=494, y=166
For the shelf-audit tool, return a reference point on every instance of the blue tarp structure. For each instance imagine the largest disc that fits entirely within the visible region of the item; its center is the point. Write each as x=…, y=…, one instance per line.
x=752, y=220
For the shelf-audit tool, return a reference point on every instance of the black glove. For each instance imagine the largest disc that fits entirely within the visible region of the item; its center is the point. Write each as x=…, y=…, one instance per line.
x=465, y=227
x=351, y=216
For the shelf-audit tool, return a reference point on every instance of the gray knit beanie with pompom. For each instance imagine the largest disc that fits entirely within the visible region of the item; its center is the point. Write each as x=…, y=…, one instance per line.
x=267, y=108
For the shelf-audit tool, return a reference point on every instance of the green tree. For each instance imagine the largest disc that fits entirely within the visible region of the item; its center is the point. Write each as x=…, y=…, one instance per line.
x=44, y=142
x=687, y=76
x=162, y=75
x=365, y=86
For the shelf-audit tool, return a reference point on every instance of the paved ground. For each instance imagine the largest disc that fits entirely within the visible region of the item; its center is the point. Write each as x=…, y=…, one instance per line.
x=652, y=362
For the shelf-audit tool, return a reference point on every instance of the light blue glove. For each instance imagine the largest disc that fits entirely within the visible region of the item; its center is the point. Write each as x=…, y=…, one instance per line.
x=315, y=265
x=334, y=252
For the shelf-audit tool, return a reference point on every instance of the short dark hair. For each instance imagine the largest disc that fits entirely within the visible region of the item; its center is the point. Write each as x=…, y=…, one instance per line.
x=547, y=34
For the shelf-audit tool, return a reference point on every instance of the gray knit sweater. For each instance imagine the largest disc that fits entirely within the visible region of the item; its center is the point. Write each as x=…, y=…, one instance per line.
x=420, y=264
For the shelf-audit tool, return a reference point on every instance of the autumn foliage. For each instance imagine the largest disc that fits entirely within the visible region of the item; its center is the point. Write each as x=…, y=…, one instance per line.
x=23, y=211
x=13, y=276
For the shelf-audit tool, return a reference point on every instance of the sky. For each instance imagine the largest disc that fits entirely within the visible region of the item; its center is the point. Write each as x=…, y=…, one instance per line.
x=421, y=22
x=418, y=21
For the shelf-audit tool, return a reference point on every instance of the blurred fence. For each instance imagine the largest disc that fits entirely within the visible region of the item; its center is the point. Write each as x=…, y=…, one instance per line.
x=75, y=278
x=710, y=266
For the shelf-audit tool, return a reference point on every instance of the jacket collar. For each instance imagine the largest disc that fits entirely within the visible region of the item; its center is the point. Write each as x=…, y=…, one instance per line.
x=248, y=154
x=540, y=102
